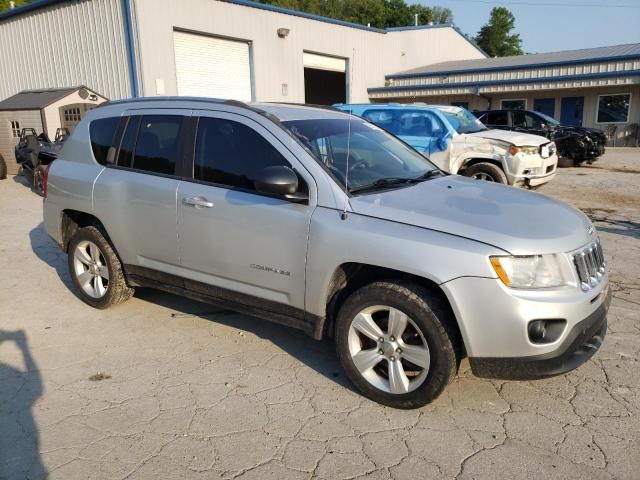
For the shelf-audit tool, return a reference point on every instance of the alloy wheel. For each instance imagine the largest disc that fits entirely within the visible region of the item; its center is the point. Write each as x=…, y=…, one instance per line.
x=90, y=269
x=388, y=349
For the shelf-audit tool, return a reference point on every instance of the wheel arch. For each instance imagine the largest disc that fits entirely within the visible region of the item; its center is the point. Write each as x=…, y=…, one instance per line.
x=349, y=277
x=475, y=160
x=73, y=220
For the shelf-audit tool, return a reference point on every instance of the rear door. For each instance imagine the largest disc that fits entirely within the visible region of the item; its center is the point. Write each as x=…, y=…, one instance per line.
x=231, y=237
x=136, y=197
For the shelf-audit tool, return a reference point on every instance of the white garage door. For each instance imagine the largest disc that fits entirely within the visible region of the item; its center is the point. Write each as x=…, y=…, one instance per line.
x=324, y=62
x=212, y=67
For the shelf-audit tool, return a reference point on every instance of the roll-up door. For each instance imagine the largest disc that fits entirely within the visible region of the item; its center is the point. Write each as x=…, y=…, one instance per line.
x=212, y=67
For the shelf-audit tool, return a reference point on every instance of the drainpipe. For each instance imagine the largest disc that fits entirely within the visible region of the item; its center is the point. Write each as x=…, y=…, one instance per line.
x=130, y=45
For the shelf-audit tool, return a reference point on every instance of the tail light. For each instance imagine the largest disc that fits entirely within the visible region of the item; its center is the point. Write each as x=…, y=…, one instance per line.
x=45, y=179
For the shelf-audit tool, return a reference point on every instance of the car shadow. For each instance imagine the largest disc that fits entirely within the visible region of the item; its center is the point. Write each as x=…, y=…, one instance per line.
x=319, y=356
x=619, y=227
x=20, y=389
x=47, y=251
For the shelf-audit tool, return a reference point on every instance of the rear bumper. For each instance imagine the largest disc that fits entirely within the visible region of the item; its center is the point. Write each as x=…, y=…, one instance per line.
x=581, y=343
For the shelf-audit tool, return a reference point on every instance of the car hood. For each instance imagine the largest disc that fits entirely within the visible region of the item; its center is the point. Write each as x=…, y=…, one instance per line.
x=517, y=221
x=515, y=138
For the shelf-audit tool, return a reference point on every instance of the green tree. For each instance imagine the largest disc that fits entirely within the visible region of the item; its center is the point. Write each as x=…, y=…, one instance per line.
x=425, y=15
x=4, y=4
x=496, y=38
x=442, y=15
x=397, y=14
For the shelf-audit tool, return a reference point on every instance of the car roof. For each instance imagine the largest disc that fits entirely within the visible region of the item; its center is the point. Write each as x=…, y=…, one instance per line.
x=281, y=111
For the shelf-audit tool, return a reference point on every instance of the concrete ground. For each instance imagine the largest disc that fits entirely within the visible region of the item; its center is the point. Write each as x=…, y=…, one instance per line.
x=162, y=387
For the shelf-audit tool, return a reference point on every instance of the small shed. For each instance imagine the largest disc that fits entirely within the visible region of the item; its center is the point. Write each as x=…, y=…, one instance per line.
x=45, y=110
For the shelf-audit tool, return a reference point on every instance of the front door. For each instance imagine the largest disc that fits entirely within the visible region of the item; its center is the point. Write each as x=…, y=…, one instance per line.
x=545, y=105
x=571, y=111
x=230, y=236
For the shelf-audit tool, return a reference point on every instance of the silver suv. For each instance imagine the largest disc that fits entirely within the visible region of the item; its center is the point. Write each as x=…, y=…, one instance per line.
x=324, y=222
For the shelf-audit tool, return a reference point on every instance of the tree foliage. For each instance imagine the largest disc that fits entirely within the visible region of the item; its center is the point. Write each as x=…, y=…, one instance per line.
x=4, y=4
x=377, y=13
x=496, y=38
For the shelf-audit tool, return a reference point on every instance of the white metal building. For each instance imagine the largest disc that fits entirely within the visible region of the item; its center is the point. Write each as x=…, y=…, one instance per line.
x=594, y=87
x=228, y=49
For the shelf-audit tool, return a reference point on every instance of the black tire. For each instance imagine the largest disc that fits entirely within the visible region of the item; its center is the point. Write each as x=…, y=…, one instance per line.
x=429, y=313
x=486, y=169
x=117, y=290
x=38, y=179
x=3, y=168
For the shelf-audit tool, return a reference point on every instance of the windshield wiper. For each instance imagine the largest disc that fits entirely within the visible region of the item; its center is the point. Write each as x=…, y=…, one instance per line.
x=430, y=174
x=393, y=181
x=383, y=183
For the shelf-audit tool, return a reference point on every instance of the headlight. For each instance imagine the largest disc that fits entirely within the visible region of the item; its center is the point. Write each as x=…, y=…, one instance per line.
x=532, y=271
x=527, y=150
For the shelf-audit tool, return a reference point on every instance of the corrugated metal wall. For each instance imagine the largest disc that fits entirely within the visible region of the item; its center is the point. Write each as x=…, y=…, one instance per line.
x=70, y=43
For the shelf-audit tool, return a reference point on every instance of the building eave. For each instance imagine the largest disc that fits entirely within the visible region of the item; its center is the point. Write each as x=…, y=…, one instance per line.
x=487, y=83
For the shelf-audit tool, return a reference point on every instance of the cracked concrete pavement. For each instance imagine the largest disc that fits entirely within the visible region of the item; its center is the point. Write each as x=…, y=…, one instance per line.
x=163, y=387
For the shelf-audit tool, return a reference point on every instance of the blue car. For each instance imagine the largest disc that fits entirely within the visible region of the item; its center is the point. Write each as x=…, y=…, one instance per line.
x=457, y=142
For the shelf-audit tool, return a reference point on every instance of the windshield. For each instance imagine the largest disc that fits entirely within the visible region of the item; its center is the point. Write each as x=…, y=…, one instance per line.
x=375, y=157
x=462, y=120
x=548, y=119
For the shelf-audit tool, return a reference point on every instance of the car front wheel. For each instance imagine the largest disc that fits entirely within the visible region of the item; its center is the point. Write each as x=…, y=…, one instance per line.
x=396, y=344
x=487, y=172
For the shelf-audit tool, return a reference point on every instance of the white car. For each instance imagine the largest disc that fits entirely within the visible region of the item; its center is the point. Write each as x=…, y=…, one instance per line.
x=457, y=142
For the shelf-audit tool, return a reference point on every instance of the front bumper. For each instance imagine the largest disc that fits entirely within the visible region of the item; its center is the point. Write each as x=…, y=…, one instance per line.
x=494, y=319
x=580, y=344
x=545, y=170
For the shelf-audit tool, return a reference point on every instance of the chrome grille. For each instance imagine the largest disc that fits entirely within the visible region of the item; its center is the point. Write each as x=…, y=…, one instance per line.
x=590, y=265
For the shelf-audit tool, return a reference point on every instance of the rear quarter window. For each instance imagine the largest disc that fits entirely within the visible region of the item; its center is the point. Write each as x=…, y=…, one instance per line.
x=102, y=133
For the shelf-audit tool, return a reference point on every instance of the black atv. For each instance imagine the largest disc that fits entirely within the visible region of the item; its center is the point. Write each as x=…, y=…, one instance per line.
x=34, y=152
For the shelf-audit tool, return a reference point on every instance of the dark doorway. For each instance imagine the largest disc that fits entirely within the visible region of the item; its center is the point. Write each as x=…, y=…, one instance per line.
x=571, y=110
x=545, y=105
x=323, y=87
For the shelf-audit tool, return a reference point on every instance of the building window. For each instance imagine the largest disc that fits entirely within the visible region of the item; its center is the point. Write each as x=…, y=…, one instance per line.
x=514, y=104
x=15, y=128
x=72, y=115
x=613, y=108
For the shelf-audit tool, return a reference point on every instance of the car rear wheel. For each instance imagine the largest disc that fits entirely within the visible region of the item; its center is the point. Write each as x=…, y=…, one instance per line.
x=96, y=270
x=395, y=343
x=487, y=172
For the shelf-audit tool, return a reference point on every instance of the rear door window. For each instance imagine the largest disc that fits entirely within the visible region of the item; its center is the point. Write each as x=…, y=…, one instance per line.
x=157, y=143
x=102, y=133
x=497, y=118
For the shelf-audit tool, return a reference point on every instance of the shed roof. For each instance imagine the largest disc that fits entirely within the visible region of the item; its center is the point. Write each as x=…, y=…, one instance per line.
x=584, y=55
x=36, y=99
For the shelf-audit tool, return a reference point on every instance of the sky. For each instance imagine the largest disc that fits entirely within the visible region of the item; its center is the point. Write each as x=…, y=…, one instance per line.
x=553, y=25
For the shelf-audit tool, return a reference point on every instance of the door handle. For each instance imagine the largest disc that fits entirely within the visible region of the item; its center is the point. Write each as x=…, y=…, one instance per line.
x=197, y=202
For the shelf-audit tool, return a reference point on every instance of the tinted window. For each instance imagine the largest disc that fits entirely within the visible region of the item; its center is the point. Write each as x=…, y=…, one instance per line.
x=125, y=157
x=525, y=120
x=613, y=108
x=382, y=118
x=102, y=133
x=419, y=124
x=157, y=143
x=230, y=153
x=497, y=118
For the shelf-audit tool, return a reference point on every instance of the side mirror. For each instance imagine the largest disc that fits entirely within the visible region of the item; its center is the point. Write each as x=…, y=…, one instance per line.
x=279, y=180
